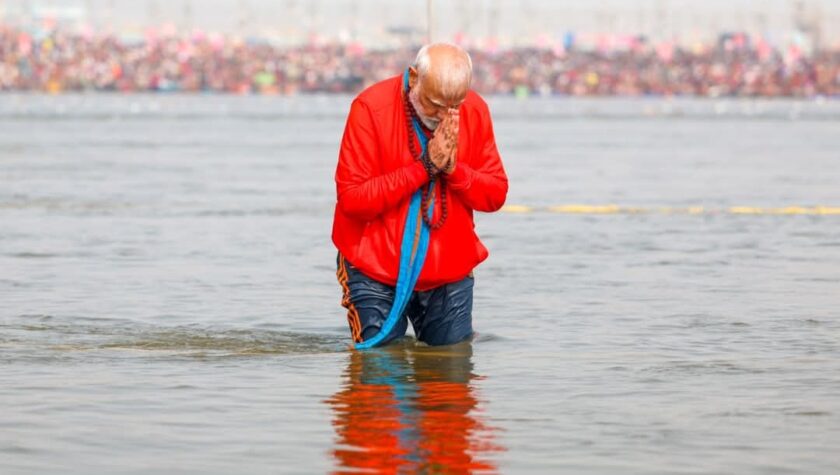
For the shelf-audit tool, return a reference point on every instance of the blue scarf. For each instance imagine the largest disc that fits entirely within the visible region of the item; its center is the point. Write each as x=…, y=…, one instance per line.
x=410, y=263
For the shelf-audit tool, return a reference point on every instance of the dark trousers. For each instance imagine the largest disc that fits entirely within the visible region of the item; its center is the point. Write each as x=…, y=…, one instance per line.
x=439, y=316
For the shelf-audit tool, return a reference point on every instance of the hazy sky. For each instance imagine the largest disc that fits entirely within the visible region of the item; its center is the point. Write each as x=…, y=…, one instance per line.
x=513, y=20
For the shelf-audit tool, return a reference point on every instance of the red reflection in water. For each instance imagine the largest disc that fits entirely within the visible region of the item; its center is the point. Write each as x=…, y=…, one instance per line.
x=410, y=410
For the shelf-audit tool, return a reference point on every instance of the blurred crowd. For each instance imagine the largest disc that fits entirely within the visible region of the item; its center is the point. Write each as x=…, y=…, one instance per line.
x=735, y=65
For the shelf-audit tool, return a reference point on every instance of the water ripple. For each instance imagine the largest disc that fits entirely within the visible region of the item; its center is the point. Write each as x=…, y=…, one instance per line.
x=45, y=335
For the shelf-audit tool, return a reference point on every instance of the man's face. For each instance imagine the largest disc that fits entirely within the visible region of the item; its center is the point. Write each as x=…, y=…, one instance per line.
x=427, y=99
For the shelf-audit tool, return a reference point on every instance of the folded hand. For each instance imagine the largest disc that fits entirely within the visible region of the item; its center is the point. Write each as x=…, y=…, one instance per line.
x=443, y=147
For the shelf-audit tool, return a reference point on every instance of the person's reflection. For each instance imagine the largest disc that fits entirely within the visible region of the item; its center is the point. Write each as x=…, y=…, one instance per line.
x=406, y=409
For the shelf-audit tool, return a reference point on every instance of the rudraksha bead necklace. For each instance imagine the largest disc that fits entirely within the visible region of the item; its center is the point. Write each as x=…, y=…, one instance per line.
x=433, y=171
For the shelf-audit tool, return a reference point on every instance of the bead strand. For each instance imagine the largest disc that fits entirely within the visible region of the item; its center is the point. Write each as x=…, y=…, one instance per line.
x=434, y=173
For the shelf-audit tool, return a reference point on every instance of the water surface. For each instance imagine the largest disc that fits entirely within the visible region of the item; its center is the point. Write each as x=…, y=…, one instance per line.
x=169, y=302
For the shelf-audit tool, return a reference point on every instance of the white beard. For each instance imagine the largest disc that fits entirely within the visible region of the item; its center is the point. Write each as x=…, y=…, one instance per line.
x=431, y=124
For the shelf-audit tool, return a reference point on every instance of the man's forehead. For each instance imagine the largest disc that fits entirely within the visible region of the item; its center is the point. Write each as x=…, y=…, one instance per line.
x=450, y=103
x=432, y=90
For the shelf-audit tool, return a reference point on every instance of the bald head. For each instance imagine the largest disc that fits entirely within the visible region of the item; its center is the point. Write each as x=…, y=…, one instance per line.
x=444, y=69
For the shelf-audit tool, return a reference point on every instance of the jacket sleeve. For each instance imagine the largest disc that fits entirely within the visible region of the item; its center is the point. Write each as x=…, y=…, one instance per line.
x=363, y=191
x=484, y=185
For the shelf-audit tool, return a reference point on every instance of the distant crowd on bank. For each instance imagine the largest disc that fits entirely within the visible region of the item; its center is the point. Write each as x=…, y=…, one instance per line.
x=735, y=65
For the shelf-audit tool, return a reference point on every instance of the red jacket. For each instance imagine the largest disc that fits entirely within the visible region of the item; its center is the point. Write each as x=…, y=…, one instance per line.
x=376, y=176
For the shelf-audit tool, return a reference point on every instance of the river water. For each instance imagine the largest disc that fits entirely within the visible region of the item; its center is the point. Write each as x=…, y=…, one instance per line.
x=168, y=302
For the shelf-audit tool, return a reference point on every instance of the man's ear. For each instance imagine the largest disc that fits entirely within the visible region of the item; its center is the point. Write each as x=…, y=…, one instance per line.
x=412, y=77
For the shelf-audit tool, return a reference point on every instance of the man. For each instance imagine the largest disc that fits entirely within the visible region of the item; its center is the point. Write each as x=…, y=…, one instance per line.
x=419, y=145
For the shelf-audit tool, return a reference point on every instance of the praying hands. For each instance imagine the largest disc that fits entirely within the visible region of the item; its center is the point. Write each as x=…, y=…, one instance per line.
x=443, y=147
